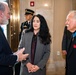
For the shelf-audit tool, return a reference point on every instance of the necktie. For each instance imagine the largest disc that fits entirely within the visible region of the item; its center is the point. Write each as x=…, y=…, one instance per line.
x=74, y=34
x=29, y=24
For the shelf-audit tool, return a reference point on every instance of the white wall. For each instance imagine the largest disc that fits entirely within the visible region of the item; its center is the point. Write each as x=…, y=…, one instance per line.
x=55, y=15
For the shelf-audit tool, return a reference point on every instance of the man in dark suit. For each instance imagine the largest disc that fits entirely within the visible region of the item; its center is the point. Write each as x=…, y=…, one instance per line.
x=71, y=44
x=66, y=36
x=7, y=58
x=26, y=25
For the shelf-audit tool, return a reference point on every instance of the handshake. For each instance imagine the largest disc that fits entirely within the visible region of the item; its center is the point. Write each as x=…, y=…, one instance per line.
x=20, y=55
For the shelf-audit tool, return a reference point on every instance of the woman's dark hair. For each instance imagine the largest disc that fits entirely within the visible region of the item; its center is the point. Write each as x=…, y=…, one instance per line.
x=44, y=34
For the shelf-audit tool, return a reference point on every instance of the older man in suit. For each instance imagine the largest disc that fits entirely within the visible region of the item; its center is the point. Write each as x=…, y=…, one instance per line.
x=7, y=58
x=71, y=44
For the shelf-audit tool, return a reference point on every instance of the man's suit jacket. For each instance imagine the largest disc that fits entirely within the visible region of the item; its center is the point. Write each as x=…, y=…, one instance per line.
x=66, y=41
x=7, y=59
x=24, y=25
x=71, y=57
x=41, y=54
x=66, y=37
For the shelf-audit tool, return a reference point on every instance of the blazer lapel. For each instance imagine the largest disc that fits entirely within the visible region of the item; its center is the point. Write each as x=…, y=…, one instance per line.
x=2, y=33
x=29, y=43
x=39, y=50
x=1, y=30
x=69, y=44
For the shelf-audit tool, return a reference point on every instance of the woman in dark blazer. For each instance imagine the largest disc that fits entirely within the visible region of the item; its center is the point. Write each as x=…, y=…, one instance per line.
x=37, y=43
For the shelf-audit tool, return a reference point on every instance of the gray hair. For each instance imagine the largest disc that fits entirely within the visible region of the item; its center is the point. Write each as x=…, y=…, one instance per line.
x=74, y=12
x=2, y=6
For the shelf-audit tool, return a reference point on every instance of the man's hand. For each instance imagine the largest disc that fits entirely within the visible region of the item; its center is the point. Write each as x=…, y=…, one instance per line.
x=20, y=55
x=64, y=52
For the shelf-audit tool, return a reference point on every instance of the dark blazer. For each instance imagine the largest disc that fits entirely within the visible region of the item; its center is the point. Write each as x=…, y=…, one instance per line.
x=69, y=44
x=66, y=38
x=71, y=57
x=41, y=54
x=7, y=59
x=24, y=25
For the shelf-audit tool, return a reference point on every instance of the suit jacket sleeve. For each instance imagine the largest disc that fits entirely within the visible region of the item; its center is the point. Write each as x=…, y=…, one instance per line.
x=64, y=40
x=6, y=56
